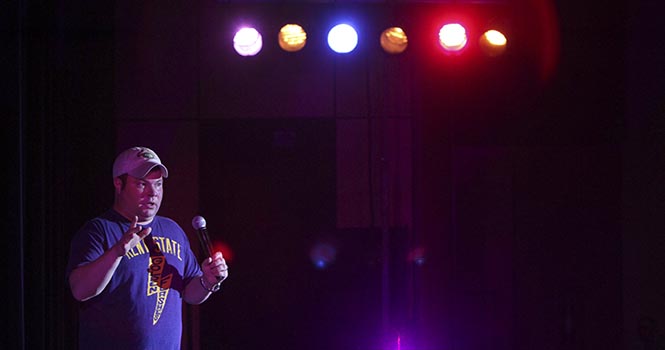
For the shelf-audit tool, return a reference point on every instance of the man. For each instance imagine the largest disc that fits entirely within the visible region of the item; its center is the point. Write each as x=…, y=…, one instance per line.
x=131, y=268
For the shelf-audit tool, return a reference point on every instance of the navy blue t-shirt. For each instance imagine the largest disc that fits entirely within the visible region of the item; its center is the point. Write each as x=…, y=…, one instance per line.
x=141, y=307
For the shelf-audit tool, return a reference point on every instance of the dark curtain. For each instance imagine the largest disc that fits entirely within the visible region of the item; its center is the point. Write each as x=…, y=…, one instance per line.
x=61, y=142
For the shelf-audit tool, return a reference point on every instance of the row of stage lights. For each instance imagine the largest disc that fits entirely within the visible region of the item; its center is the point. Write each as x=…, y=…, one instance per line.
x=343, y=39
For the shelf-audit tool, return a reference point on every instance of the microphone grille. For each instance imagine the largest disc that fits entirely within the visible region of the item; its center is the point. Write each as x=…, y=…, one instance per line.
x=198, y=222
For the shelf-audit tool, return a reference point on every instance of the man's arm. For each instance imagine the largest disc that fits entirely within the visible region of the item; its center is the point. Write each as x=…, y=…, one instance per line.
x=214, y=272
x=89, y=280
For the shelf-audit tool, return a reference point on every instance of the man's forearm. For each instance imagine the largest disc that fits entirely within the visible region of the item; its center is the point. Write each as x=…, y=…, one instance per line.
x=197, y=291
x=89, y=280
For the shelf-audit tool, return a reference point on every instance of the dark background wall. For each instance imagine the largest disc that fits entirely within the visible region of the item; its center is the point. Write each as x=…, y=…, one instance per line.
x=480, y=204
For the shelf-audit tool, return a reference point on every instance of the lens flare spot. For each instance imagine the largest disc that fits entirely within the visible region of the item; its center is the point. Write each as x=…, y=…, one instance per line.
x=417, y=256
x=323, y=255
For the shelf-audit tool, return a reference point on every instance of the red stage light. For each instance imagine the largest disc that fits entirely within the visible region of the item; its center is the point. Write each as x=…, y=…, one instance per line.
x=452, y=37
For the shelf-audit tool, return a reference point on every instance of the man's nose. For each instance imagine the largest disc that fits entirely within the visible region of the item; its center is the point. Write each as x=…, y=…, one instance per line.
x=152, y=190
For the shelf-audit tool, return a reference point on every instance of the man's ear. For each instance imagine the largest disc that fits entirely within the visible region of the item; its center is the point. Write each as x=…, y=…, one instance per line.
x=117, y=183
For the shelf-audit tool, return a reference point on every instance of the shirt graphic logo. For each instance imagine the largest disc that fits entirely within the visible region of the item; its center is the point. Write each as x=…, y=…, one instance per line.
x=158, y=283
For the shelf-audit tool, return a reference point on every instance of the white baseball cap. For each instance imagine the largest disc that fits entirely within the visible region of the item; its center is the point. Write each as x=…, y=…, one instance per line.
x=137, y=162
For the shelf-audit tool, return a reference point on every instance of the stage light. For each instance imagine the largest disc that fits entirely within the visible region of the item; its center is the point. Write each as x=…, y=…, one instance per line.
x=452, y=37
x=342, y=38
x=493, y=42
x=292, y=38
x=394, y=40
x=247, y=42
x=227, y=251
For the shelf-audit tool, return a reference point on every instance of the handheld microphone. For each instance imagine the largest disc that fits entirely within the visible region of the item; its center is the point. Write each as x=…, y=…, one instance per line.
x=199, y=224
